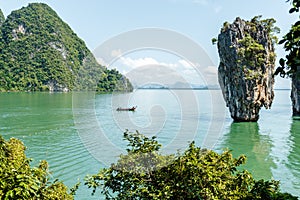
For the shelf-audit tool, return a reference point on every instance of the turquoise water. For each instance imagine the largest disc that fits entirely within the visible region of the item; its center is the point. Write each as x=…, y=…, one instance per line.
x=80, y=133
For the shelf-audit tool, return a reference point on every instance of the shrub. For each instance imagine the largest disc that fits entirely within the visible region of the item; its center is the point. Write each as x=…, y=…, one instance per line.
x=19, y=181
x=144, y=173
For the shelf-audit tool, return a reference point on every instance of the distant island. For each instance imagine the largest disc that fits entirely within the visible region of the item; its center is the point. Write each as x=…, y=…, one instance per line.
x=40, y=52
x=178, y=86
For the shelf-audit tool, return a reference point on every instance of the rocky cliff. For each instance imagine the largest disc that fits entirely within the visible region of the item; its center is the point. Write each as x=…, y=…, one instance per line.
x=295, y=93
x=41, y=52
x=246, y=51
x=2, y=18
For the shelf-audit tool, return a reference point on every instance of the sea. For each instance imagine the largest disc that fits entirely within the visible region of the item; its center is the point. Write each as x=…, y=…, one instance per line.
x=82, y=132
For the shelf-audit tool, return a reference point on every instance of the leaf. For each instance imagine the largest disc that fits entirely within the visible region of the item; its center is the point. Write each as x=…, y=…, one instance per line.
x=282, y=41
x=278, y=70
x=214, y=41
x=282, y=62
x=292, y=10
x=282, y=74
x=297, y=23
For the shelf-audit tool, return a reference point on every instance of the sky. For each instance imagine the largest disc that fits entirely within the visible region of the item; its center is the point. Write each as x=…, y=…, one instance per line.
x=99, y=21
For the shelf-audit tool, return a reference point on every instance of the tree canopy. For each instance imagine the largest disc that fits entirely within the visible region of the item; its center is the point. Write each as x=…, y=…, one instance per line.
x=290, y=66
x=20, y=181
x=112, y=80
x=144, y=173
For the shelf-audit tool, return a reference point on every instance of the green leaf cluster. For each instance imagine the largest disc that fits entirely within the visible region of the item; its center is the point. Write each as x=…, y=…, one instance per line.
x=267, y=24
x=254, y=51
x=289, y=67
x=113, y=81
x=41, y=52
x=251, y=51
x=225, y=26
x=144, y=173
x=20, y=181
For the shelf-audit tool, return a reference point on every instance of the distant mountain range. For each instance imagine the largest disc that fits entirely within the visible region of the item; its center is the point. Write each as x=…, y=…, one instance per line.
x=177, y=85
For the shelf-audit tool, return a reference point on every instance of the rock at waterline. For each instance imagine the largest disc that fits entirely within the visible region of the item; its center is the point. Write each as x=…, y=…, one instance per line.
x=295, y=94
x=247, y=59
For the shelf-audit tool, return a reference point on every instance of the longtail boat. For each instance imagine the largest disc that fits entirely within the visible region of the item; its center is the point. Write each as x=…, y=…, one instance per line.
x=127, y=109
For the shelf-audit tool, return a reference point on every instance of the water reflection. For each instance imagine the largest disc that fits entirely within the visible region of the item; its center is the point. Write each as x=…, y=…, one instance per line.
x=294, y=156
x=245, y=138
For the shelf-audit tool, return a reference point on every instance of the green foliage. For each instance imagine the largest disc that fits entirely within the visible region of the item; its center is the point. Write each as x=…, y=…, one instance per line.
x=19, y=181
x=39, y=49
x=225, y=26
x=252, y=47
x=295, y=6
x=132, y=176
x=41, y=52
x=289, y=67
x=267, y=24
x=251, y=51
x=144, y=173
x=251, y=74
x=112, y=81
x=214, y=41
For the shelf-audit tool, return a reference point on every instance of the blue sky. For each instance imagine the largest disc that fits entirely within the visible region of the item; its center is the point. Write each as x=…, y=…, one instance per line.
x=96, y=21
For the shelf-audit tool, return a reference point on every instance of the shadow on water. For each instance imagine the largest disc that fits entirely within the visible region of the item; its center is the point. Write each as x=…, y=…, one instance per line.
x=245, y=138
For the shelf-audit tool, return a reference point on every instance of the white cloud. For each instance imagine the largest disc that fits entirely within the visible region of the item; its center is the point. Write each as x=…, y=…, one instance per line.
x=145, y=69
x=186, y=64
x=211, y=75
x=154, y=74
x=116, y=52
x=133, y=63
x=212, y=70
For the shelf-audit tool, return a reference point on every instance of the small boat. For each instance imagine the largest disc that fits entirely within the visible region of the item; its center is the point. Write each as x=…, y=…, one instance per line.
x=127, y=109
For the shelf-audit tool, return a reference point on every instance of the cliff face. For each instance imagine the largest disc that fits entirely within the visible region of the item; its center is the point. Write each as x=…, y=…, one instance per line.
x=40, y=52
x=2, y=18
x=246, y=68
x=295, y=93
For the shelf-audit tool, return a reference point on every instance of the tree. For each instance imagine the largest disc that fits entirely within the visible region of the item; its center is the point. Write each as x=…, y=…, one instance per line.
x=290, y=67
x=19, y=181
x=113, y=81
x=144, y=173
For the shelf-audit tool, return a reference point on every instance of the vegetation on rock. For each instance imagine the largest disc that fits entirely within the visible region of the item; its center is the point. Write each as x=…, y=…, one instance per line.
x=20, y=181
x=251, y=51
x=144, y=173
x=112, y=80
x=247, y=60
x=290, y=67
x=41, y=52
